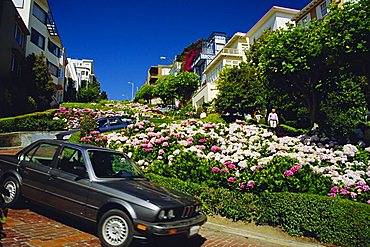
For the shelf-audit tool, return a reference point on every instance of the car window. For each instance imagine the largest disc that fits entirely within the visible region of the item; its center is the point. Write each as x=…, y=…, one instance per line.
x=41, y=154
x=102, y=123
x=69, y=159
x=114, y=121
x=113, y=165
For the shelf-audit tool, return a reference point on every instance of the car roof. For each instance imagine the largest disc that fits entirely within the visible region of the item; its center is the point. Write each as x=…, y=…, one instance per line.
x=82, y=146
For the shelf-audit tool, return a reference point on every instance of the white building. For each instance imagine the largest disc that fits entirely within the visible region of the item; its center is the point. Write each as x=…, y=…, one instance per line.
x=234, y=51
x=44, y=38
x=232, y=54
x=80, y=70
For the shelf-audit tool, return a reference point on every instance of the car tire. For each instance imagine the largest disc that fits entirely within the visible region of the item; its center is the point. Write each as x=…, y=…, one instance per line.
x=12, y=185
x=115, y=229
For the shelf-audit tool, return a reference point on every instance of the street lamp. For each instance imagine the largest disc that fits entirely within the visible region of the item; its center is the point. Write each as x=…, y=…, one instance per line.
x=167, y=59
x=132, y=93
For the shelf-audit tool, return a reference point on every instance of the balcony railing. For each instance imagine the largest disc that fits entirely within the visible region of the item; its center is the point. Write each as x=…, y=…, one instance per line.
x=231, y=51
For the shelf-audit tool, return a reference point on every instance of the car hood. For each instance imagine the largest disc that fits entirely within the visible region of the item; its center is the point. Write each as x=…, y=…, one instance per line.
x=145, y=190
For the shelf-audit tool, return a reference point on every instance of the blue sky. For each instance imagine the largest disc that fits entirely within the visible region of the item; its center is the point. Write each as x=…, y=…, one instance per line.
x=126, y=37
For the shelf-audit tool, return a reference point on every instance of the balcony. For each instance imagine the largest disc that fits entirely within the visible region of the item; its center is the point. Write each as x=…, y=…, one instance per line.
x=231, y=51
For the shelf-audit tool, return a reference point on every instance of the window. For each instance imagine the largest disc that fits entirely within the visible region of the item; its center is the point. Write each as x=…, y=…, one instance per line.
x=16, y=66
x=19, y=36
x=54, y=70
x=42, y=154
x=53, y=48
x=39, y=13
x=305, y=20
x=37, y=38
x=322, y=9
x=18, y=3
x=70, y=160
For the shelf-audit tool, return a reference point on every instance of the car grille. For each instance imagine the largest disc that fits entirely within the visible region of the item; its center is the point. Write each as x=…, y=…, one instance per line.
x=188, y=212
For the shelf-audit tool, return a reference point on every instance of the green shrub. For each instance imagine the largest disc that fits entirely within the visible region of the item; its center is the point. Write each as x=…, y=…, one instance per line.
x=220, y=201
x=37, y=121
x=87, y=125
x=213, y=118
x=291, y=131
x=330, y=220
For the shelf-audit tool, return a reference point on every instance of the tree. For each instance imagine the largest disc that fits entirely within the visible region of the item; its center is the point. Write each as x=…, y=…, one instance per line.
x=346, y=35
x=40, y=87
x=165, y=90
x=293, y=60
x=241, y=89
x=90, y=91
x=146, y=92
x=185, y=83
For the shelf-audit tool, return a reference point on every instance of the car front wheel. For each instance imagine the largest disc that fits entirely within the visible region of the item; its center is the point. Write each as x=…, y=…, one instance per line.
x=12, y=185
x=115, y=229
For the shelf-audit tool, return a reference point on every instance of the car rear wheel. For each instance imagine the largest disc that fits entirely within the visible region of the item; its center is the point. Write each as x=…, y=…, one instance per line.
x=12, y=185
x=115, y=229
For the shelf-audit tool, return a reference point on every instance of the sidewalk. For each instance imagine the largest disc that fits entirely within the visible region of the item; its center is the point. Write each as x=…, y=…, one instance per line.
x=37, y=227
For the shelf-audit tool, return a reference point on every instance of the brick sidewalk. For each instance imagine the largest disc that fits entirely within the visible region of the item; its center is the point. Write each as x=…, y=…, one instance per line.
x=27, y=227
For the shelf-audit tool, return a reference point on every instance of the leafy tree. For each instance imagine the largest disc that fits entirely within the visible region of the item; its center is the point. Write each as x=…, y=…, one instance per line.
x=165, y=89
x=146, y=92
x=185, y=83
x=346, y=35
x=293, y=60
x=103, y=95
x=241, y=89
x=41, y=87
x=71, y=93
x=343, y=105
x=90, y=91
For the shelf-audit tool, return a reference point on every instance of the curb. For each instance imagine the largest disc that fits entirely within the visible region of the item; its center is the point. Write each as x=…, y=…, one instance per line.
x=253, y=235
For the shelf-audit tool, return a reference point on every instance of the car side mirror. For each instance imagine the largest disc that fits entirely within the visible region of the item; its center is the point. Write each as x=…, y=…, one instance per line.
x=80, y=171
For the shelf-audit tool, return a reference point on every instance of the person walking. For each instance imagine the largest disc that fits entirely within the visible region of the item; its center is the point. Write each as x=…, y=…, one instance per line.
x=273, y=119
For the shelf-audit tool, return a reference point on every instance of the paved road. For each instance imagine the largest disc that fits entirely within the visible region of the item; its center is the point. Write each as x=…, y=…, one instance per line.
x=36, y=227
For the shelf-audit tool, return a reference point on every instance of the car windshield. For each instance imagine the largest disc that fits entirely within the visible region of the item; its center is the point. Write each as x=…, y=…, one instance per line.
x=113, y=165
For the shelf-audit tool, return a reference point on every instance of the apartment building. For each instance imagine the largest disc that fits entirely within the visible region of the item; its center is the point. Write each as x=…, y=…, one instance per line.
x=209, y=48
x=80, y=70
x=156, y=72
x=233, y=52
x=13, y=36
x=276, y=18
x=316, y=9
x=44, y=38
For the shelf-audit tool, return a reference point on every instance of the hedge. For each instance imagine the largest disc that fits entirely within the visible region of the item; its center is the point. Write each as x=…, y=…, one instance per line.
x=220, y=201
x=330, y=220
x=37, y=121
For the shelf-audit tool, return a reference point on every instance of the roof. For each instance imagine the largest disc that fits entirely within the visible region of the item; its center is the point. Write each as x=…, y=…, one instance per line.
x=306, y=9
x=269, y=14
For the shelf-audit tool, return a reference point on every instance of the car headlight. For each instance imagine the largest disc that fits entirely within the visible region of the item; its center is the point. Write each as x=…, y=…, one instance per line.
x=171, y=214
x=198, y=208
x=163, y=214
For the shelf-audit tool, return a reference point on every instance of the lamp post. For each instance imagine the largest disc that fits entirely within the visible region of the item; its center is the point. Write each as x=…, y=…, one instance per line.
x=167, y=59
x=132, y=92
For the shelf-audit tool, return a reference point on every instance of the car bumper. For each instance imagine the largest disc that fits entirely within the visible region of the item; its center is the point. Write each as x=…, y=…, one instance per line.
x=187, y=227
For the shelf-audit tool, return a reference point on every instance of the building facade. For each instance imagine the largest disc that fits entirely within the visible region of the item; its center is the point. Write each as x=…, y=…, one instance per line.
x=156, y=72
x=233, y=52
x=209, y=48
x=13, y=36
x=79, y=70
x=316, y=9
x=44, y=38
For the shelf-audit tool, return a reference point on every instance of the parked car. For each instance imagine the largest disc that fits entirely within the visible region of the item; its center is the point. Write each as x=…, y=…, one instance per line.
x=114, y=123
x=101, y=186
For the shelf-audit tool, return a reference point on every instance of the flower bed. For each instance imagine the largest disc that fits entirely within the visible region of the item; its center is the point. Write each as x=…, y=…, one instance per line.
x=244, y=157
